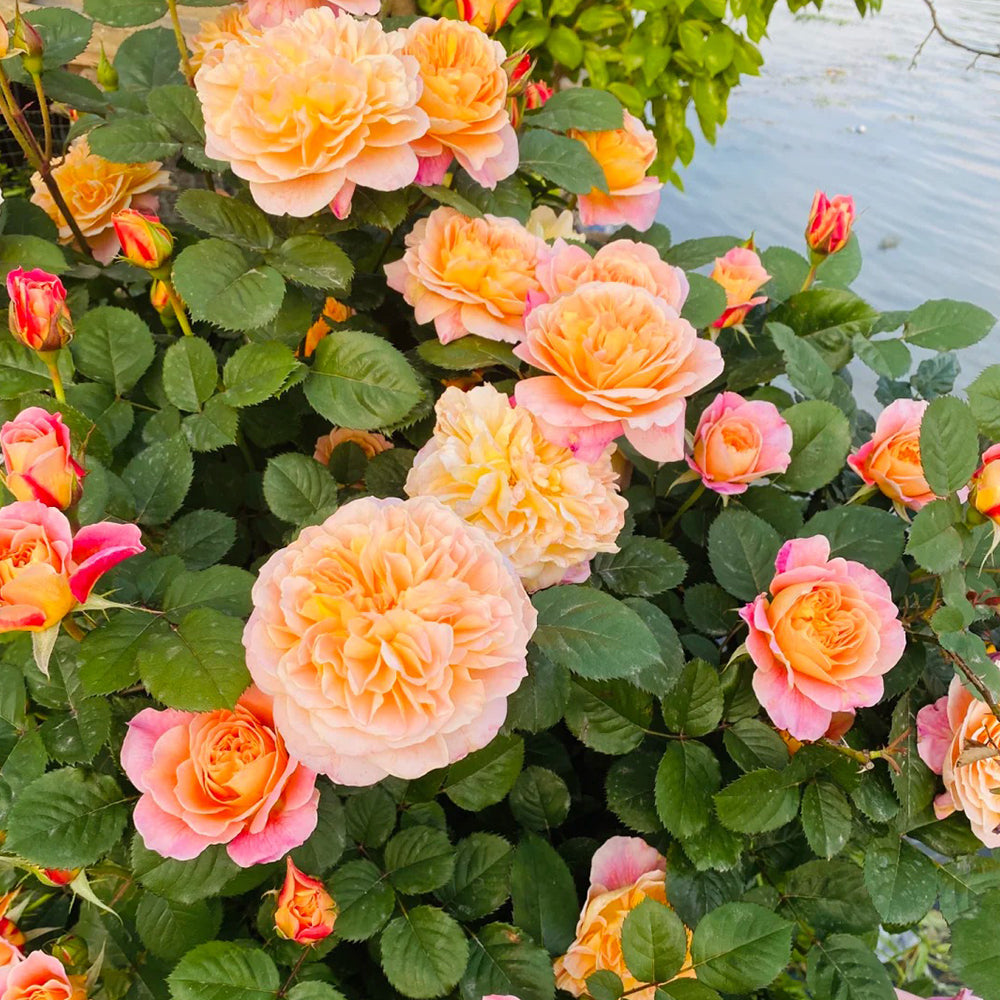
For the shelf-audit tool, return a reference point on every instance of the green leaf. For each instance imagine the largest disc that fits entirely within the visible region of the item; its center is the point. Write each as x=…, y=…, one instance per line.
x=565, y=162
x=483, y=778
x=327, y=842
x=865, y=534
x=788, y=271
x=757, y=802
x=419, y=859
x=504, y=961
x=224, y=970
x=754, y=745
x=543, y=894
x=984, y=400
x=661, y=675
x=480, y=882
x=65, y=34
x=705, y=303
x=213, y=428
x=890, y=358
x=226, y=218
x=107, y=654
x=190, y=373
x=199, y=665
x=742, y=549
x=446, y=196
x=591, y=633
x=298, y=489
x=313, y=261
x=201, y=538
x=424, y=953
x=257, y=372
x=947, y=325
x=694, y=705
x=826, y=312
x=842, y=967
x=642, y=567
x=687, y=777
x=975, y=947
x=826, y=818
x=740, y=947
x=183, y=881
x=629, y=789
x=686, y=989
x=225, y=285
x=806, y=369
x=364, y=899
x=696, y=253
x=132, y=140
x=654, y=942
x=360, y=380
x=371, y=816
x=539, y=799
x=159, y=477
x=830, y=896
x=467, y=353
x=949, y=445
x=30, y=252
x=148, y=59
x=604, y=985
x=608, y=716
x=901, y=880
x=223, y=588
x=581, y=108
x=114, y=346
x=66, y=818
x=934, y=539
x=821, y=441
x=511, y=197
x=177, y=109
x=540, y=700
x=169, y=929
x=125, y=13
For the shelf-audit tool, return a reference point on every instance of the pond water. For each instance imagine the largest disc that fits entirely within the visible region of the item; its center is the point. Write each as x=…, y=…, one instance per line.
x=839, y=107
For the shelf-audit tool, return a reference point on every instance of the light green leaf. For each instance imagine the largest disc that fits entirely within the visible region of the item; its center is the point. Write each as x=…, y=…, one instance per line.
x=949, y=445
x=114, y=346
x=581, y=108
x=257, y=372
x=299, y=489
x=424, y=953
x=947, y=325
x=821, y=440
x=654, y=942
x=190, y=373
x=224, y=970
x=159, y=477
x=742, y=549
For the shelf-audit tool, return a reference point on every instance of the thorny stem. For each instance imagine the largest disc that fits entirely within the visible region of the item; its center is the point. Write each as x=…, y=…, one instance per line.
x=43, y=107
x=966, y=671
x=867, y=758
x=181, y=42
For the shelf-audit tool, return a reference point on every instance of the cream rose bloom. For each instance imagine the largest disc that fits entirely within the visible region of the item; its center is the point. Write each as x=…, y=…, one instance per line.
x=268, y=13
x=390, y=638
x=231, y=25
x=465, y=97
x=547, y=511
x=96, y=189
x=468, y=275
x=312, y=107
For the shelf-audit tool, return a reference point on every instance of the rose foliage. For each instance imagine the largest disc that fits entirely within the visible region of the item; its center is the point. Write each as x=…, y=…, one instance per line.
x=410, y=587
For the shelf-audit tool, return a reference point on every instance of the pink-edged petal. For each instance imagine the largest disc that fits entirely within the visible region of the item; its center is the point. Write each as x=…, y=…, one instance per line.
x=284, y=832
x=661, y=444
x=811, y=551
x=144, y=730
x=788, y=708
x=97, y=548
x=934, y=734
x=432, y=169
x=621, y=861
x=166, y=834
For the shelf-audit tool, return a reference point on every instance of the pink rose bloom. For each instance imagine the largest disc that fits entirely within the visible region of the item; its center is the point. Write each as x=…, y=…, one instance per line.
x=740, y=273
x=39, y=977
x=970, y=784
x=268, y=13
x=934, y=734
x=624, y=154
x=567, y=266
x=619, y=360
x=468, y=275
x=312, y=107
x=390, y=637
x=823, y=640
x=221, y=777
x=962, y=994
x=38, y=458
x=891, y=459
x=738, y=441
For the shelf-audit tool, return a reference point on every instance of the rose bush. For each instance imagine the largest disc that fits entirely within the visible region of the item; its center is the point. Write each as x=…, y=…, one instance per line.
x=410, y=591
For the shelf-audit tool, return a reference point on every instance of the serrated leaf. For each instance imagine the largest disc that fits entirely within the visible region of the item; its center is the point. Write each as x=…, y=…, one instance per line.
x=947, y=325
x=694, y=705
x=949, y=445
x=503, y=960
x=654, y=942
x=183, y=881
x=299, y=489
x=821, y=438
x=256, y=372
x=486, y=776
x=686, y=778
x=112, y=345
x=901, y=880
x=583, y=108
x=159, y=478
x=314, y=262
x=226, y=218
x=826, y=818
x=539, y=799
x=419, y=859
x=543, y=894
x=190, y=373
x=565, y=162
x=364, y=900
x=842, y=967
x=608, y=716
x=757, y=802
x=424, y=953
x=169, y=929
x=224, y=970
x=480, y=882
x=742, y=549
x=642, y=567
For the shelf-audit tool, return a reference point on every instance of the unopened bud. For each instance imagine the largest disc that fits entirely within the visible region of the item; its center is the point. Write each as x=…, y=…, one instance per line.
x=107, y=75
x=72, y=952
x=38, y=315
x=145, y=241
x=26, y=40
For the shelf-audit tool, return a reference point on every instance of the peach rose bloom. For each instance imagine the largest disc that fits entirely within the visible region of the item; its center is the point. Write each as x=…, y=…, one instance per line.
x=231, y=25
x=625, y=261
x=547, y=511
x=740, y=273
x=390, y=637
x=45, y=570
x=620, y=360
x=625, y=155
x=738, y=441
x=468, y=275
x=10, y=955
x=96, y=189
x=312, y=107
x=38, y=458
x=986, y=485
x=39, y=977
x=823, y=640
x=891, y=459
x=222, y=777
x=268, y=13
x=370, y=442
x=624, y=871
x=946, y=729
x=306, y=912
x=465, y=97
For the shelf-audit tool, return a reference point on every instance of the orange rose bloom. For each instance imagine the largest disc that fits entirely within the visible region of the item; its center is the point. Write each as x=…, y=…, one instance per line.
x=38, y=458
x=40, y=977
x=624, y=872
x=96, y=189
x=370, y=442
x=306, y=913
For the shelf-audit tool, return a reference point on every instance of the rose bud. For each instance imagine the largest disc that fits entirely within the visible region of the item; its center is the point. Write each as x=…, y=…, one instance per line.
x=56, y=876
x=72, y=951
x=487, y=15
x=536, y=94
x=11, y=933
x=38, y=315
x=38, y=459
x=741, y=274
x=986, y=485
x=829, y=226
x=26, y=40
x=306, y=913
x=107, y=75
x=517, y=67
x=4, y=39
x=145, y=241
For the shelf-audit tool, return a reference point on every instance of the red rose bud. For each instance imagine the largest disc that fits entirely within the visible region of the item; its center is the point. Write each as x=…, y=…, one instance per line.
x=536, y=94
x=145, y=241
x=38, y=315
x=517, y=66
x=830, y=223
x=306, y=912
x=26, y=40
x=57, y=876
x=487, y=15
